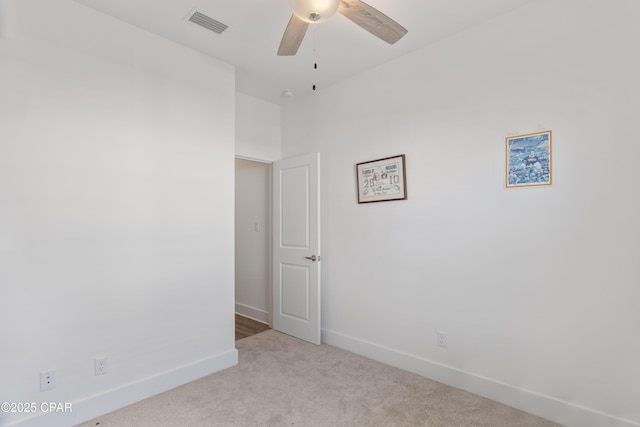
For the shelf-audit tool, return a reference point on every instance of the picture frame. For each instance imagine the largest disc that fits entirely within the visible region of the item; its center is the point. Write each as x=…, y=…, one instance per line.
x=529, y=161
x=382, y=180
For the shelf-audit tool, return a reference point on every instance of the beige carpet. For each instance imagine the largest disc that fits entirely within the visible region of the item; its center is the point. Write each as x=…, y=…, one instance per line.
x=282, y=381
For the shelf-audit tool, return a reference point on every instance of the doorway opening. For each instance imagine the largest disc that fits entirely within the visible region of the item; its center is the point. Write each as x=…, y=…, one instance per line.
x=253, y=295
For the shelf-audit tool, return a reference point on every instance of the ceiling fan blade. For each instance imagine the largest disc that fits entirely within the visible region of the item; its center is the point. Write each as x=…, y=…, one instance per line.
x=372, y=20
x=292, y=37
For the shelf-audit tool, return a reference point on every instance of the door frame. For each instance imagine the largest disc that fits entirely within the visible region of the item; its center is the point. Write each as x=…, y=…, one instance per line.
x=270, y=237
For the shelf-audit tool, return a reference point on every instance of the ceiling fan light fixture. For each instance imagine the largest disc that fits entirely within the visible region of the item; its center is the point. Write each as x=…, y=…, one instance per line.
x=314, y=11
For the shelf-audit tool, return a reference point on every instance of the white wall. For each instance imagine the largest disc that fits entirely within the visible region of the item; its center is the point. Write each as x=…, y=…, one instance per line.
x=537, y=289
x=253, y=239
x=116, y=210
x=258, y=134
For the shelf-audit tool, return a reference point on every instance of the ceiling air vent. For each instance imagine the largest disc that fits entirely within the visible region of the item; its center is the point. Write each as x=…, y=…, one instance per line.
x=206, y=22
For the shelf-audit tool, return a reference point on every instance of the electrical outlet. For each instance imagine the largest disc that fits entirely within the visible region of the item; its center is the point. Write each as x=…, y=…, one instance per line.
x=441, y=339
x=47, y=380
x=101, y=365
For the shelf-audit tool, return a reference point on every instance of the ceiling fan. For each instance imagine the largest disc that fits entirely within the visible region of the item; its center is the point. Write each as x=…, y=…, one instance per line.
x=307, y=12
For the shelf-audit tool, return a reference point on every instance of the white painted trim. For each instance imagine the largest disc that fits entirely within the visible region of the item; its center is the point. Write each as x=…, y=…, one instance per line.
x=111, y=400
x=254, y=159
x=252, y=313
x=547, y=407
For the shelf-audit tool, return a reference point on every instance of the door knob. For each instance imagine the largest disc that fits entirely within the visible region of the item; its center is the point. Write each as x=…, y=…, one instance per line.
x=312, y=257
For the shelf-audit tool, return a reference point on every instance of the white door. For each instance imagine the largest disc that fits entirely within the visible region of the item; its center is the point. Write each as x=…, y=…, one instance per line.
x=296, y=247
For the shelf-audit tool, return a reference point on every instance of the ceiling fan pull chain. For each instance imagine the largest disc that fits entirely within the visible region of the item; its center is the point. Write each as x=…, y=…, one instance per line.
x=315, y=61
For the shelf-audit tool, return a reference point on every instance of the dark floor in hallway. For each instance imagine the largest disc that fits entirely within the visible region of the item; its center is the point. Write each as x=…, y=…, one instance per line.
x=246, y=327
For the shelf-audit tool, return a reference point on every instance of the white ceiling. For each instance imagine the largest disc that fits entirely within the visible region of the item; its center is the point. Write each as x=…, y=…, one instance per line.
x=342, y=49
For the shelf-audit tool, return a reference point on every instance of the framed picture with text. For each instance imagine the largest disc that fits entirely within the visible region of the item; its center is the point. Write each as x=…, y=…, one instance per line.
x=382, y=180
x=529, y=161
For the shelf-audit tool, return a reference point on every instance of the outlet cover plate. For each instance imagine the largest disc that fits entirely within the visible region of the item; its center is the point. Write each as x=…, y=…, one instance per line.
x=47, y=380
x=101, y=365
x=441, y=338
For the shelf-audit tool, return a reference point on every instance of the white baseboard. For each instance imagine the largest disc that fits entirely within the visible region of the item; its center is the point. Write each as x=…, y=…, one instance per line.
x=256, y=314
x=547, y=407
x=111, y=400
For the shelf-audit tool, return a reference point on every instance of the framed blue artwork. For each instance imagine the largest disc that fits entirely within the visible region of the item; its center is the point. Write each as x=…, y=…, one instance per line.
x=529, y=160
